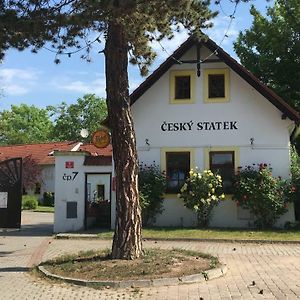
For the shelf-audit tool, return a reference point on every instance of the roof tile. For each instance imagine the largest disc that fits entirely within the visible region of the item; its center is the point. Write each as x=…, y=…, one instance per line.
x=43, y=153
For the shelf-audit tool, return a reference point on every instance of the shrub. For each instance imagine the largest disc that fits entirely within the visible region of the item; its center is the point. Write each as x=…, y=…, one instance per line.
x=48, y=199
x=152, y=185
x=293, y=190
x=201, y=192
x=257, y=190
x=29, y=202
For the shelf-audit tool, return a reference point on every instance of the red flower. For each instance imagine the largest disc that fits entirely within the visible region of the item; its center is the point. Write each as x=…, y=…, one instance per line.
x=245, y=197
x=293, y=189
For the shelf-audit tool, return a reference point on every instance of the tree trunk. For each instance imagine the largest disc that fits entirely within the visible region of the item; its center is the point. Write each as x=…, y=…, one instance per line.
x=127, y=242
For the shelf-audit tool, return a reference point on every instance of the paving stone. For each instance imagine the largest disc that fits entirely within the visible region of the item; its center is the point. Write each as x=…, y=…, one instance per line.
x=275, y=268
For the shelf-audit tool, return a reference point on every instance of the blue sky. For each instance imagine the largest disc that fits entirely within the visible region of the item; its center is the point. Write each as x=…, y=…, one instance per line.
x=35, y=79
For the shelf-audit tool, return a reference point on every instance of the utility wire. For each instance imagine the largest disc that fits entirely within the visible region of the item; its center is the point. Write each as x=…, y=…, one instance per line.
x=232, y=17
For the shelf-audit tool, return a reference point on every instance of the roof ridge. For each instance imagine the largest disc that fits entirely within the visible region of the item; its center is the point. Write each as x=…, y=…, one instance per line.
x=45, y=143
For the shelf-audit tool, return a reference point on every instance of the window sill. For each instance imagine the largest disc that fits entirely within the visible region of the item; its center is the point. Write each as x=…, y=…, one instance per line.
x=216, y=100
x=182, y=101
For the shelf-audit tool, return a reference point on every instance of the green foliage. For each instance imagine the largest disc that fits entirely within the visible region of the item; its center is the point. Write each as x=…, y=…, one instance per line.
x=29, y=202
x=257, y=190
x=295, y=163
x=15, y=30
x=86, y=113
x=48, y=199
x=128, y=27
x=293, y=190
x=271, y=47
x=31, y=173
x=152, y=185
x=78, y=19
x=201, y=192
x=24, y=124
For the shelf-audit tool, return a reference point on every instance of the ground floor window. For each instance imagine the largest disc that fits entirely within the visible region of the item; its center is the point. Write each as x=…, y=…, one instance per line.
x=223, y=163
x=177, y=170
x=176, y=162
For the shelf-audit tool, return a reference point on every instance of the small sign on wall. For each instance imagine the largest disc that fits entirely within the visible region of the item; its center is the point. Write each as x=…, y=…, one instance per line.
x=3, y=199
x=69, y=164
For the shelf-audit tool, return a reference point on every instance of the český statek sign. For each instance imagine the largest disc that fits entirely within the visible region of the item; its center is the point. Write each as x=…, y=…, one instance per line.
x=189, y=126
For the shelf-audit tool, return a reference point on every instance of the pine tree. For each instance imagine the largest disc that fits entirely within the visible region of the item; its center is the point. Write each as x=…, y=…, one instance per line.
x=128, y=27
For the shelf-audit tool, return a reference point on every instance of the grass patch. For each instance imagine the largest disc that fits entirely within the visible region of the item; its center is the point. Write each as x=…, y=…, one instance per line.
x=155, y=263
x=230, y=234
x=48, y=209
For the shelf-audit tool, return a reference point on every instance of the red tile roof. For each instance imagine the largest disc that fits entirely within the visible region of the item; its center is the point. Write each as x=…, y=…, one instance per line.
x=96, y=151
x=43, y=153
x=97, y=161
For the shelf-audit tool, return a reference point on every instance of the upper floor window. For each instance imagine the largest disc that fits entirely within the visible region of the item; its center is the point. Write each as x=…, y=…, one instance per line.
x=216, y=85
x=182, y=86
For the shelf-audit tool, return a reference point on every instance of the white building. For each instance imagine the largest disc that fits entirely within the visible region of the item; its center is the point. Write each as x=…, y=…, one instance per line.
x=42, y=155
x=221, y=117
x=211, y=115
x=83, y=191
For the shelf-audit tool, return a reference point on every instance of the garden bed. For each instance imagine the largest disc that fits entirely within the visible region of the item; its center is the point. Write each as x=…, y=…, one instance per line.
x=156, y=263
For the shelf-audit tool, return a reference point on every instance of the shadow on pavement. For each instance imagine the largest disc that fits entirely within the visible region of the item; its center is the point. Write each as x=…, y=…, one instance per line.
x=14, y=269
x=33, y=224
x=38, y=229
x=5, y=253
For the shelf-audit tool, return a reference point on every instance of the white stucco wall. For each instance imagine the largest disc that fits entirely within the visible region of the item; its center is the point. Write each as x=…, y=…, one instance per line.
x=256, y=118
x=71, y=190
x=48, y=179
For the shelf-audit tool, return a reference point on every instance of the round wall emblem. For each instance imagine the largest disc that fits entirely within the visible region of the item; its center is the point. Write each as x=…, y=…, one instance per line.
x=101, y=138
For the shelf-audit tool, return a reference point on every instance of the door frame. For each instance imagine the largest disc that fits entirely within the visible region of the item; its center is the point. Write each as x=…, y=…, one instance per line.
x=85, y=192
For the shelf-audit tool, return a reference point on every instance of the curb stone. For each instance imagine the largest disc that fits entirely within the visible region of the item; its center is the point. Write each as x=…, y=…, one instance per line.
x=194, y=278
x=74, y=236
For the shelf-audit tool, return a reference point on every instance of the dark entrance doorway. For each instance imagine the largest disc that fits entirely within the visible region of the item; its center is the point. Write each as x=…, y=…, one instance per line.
x=10, y=193
x=98, y=200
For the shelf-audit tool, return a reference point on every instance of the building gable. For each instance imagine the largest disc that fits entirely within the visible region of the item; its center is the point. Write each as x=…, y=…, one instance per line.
x=223, y=56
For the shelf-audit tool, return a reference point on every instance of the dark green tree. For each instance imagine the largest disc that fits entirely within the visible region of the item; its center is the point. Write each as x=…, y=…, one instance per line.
x=271, y=49
x=24, y=124
x=86, y=113
x=128, y=26
x=17, y=30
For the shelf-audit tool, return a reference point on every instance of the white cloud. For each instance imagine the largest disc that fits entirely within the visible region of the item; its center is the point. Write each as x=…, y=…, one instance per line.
x=96, y=86
x=222, y=26
x=15, y=90
x=16, y=82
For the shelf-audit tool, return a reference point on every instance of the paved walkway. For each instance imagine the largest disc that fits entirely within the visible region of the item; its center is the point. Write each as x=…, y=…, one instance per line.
x=275, y=269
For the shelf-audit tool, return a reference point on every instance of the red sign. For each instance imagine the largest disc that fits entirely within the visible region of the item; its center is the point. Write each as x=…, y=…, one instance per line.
x=69, y=164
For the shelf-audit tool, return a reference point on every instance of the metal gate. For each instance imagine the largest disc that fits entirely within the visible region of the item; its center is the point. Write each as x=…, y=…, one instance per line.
x=10, y=193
